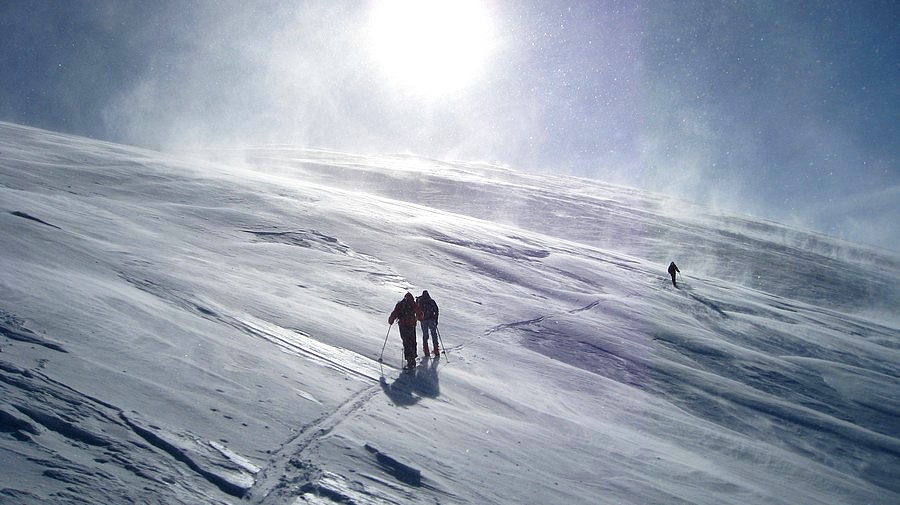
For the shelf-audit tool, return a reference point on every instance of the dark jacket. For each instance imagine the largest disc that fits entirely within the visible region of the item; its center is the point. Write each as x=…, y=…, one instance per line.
x=429, y=307
x=673, y=268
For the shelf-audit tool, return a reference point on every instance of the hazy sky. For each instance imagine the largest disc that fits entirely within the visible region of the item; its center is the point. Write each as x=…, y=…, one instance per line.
x=786, y=110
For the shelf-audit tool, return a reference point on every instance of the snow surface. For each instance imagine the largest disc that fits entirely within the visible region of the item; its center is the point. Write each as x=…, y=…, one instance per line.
x=206, y=328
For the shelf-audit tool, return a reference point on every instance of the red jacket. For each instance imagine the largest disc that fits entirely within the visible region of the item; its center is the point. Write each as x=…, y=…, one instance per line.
x=414, y=316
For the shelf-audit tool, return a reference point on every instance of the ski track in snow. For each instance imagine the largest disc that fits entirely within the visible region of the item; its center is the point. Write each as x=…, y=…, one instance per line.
x=283, y=477
x=177, y=329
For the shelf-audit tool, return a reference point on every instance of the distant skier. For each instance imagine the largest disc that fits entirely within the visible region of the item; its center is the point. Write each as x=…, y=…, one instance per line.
x=672, y=271
x=407, y=313
x=429, y=322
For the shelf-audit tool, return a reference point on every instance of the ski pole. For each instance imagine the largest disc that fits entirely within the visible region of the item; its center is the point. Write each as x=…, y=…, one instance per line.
x=380, y=356
x=442, y=343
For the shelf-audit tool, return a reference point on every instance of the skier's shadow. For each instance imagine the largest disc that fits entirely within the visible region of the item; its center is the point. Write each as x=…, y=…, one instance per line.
x=710, y=304
x=410, y=387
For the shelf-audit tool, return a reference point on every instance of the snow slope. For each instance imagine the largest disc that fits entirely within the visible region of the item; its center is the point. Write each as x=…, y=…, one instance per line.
x=206, y=328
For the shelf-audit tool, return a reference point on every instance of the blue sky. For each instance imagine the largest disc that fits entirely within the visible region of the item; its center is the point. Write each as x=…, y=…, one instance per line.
x=784, y=110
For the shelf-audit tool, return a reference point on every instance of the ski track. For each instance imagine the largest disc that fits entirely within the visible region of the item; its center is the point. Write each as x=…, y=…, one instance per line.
x=287, y=474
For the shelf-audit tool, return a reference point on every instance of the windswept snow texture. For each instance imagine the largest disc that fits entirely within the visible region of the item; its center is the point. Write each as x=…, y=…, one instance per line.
x=207, y=328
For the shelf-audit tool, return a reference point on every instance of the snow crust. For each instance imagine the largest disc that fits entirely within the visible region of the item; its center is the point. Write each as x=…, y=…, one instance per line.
x=207, y=328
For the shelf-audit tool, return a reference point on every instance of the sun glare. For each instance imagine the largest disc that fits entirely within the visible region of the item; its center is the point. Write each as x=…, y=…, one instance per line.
x=431, y=47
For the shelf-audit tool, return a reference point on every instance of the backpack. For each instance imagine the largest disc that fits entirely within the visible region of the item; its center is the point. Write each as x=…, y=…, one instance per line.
x=405, y=310
x=429, y=309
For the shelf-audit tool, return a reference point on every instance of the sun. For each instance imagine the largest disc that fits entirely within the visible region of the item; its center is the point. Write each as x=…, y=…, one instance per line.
x=431, y=47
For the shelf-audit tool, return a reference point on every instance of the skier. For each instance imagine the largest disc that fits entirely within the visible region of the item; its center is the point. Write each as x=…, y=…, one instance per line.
x=429, y=322
x=672, y=270
x=407, y=313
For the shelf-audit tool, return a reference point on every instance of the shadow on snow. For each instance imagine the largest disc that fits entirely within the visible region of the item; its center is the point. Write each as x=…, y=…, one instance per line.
x=410, y=387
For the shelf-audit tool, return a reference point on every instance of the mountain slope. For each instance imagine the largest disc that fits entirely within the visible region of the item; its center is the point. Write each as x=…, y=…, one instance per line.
x=207, y=329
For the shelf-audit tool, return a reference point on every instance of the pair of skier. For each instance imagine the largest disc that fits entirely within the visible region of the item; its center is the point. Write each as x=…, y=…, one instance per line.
x=407, y=312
